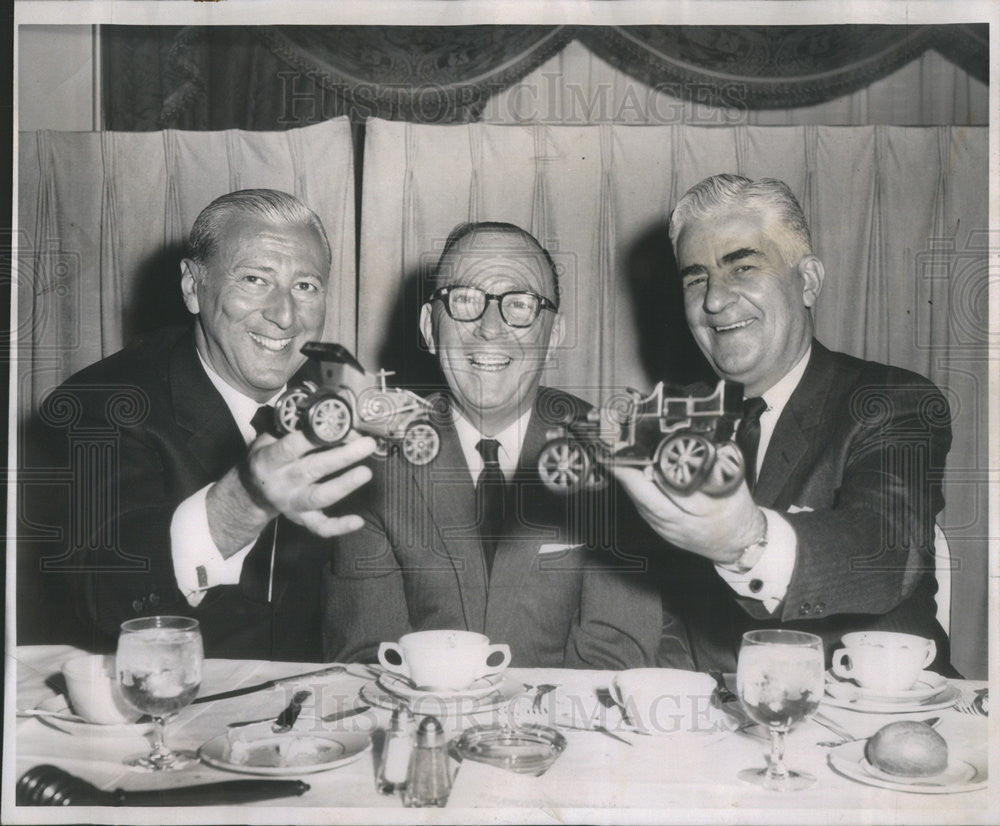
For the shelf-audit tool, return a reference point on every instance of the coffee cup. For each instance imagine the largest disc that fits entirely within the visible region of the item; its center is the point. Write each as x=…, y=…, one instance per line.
x=443, y=660
x=666, y=700
x=883, y=661
x=93, y=690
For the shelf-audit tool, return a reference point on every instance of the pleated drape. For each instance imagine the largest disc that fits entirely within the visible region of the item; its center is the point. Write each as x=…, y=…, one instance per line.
x=898, y=215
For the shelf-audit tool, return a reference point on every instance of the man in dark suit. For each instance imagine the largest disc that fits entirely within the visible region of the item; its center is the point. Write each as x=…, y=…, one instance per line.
x=474, y=540
x=833, y=531
x=193, y=512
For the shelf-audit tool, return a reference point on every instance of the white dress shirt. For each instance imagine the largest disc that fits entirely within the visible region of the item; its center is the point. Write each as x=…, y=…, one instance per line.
x=191, y=544
x=511, y=440
x=773, y=571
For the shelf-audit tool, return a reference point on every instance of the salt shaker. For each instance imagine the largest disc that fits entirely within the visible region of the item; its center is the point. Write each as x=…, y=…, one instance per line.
x=429, y=780
x=396, y=752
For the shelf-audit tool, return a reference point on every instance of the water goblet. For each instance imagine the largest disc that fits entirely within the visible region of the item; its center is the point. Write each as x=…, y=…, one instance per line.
x=779, y=679
x=158, y=665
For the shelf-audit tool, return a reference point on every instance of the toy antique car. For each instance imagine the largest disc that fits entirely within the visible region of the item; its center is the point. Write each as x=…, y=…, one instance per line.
x=686, y=439
x=336, y=395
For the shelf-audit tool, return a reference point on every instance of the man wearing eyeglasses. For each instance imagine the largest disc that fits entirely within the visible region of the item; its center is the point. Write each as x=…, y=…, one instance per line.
x=474, y=540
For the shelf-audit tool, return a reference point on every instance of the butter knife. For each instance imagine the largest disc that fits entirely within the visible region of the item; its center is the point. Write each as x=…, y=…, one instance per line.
x=250, y=689
x=291, y=713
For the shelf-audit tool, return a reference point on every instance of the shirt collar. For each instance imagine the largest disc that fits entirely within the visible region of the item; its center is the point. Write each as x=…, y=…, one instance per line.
x=511, y=439
x=778, y=394
x=241, y=406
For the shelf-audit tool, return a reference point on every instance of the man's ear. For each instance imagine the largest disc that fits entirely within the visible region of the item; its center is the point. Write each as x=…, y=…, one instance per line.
x=812, y=272
x=427, y=328
x=558, y=332
x=189, y=285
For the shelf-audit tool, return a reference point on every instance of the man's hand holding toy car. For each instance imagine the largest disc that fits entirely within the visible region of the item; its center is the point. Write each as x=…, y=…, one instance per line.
x=718, y=527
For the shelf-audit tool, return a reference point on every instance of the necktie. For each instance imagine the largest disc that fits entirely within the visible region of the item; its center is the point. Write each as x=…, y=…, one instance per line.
x=490, y=500
x=257, y=576
x=748, y=436
x=263, y=420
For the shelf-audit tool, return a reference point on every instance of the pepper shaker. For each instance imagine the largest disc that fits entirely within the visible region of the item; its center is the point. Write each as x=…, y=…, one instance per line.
x=429, y=780
x=393, y=769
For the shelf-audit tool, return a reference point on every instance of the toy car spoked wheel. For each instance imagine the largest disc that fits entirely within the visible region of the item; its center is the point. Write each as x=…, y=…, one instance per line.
x=683, y=460
x=421, y=443
x=563, y=466
x=328, y=420
x=726, y=472
x=287, y=410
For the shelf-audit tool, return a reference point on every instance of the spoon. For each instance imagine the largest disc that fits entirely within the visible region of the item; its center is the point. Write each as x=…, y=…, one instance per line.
x=55, y=715
x=828, y=744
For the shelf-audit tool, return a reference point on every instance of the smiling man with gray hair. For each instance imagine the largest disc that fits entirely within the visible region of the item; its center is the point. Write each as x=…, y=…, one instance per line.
x=834, y=529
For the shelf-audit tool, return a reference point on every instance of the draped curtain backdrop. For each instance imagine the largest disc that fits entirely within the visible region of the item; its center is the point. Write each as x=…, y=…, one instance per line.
x=273, y=77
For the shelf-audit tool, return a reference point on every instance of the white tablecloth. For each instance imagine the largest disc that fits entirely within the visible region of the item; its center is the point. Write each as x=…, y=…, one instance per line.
x=689, y=776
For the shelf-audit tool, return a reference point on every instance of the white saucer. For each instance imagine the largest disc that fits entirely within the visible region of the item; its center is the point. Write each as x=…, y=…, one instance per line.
x=402, y=687
x=928, y=685
x=441, y=705
x=967, y=771
x=60, y=705
x=335, y=749
x=845, y=694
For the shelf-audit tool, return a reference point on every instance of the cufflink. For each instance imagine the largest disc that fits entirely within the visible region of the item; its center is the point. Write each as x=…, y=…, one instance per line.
x=202, y=576
x=755, y=586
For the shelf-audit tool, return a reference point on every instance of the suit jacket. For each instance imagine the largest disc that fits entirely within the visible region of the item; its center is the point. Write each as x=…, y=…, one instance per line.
x=855, y=466
x=563, y=591
x=166, y=432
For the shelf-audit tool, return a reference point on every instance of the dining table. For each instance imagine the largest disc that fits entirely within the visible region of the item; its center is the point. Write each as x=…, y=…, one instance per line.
x=611, y=775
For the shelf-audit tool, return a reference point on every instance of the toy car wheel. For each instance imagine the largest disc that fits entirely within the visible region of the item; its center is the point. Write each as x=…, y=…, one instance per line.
x=421, y=443
x=726, y=472
x=287, y=410
x=328, y=420
x=563, y=466
x=683, y=460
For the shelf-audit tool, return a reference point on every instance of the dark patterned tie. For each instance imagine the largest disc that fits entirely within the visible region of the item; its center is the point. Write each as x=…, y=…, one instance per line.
x=491, y=492
x=748, y=436
x=258, y=567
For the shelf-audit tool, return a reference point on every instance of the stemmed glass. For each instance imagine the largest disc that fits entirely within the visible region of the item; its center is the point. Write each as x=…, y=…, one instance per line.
x=779, y=679
x=159, y=670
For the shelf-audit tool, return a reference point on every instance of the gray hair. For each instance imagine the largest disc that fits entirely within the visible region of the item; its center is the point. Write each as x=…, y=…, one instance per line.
x=721, y=192
x=269, y=204
x=468, y=229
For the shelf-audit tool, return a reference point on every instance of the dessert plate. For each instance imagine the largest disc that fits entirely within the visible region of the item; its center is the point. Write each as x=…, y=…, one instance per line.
x=305, y=752
x=402, y=687
x=967, y=771
x=60, y=705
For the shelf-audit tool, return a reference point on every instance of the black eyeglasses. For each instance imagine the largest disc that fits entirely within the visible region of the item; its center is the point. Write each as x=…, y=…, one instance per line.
x=518, y=308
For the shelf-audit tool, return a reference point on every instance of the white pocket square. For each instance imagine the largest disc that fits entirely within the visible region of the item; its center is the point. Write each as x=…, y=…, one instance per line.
x=799, y=509
x=556, y=547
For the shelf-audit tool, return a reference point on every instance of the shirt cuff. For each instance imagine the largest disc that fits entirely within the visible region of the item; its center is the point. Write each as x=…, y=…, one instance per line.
x=198, y=565
x=768, y=579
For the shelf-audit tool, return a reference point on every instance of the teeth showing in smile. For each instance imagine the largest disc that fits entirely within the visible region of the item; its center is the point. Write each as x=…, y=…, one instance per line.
x=489, y=363
x=273, y=344
x=725, y=328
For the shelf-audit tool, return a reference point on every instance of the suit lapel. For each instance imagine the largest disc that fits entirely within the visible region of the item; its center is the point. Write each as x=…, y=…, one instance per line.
x=517, y=552
x=794, y=433
x=215, y=441
x=450, y=501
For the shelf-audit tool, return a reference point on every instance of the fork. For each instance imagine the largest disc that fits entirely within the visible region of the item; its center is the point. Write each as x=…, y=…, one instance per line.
x=974, y=704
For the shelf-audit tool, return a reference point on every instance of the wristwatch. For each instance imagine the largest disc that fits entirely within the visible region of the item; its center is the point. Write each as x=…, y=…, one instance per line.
x=751, y=554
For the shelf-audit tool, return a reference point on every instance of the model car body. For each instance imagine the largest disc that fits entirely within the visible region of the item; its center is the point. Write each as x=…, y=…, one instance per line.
x=686, y=439
x=333, y=394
